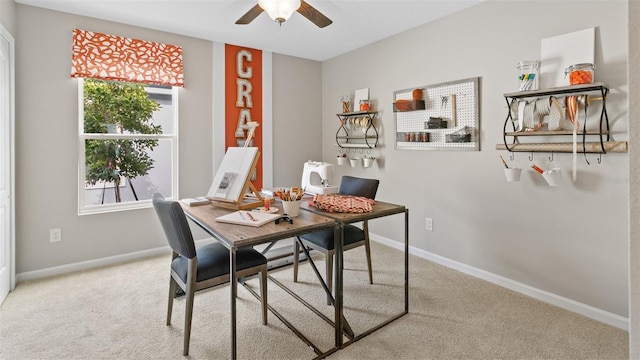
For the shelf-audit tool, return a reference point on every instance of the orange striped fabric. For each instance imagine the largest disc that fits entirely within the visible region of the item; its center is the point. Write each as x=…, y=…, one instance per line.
x=108, y=57
x=342, y=203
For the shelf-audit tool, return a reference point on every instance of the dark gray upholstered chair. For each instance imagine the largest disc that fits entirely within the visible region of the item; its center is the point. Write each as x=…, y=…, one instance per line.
x=193, y=269
x=322, y=240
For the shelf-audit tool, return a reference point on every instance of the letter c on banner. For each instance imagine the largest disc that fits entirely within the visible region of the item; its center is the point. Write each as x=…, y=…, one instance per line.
x=241, y=70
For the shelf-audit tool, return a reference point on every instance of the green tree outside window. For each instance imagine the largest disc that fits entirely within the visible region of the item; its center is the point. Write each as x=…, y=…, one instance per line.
x=118, y=108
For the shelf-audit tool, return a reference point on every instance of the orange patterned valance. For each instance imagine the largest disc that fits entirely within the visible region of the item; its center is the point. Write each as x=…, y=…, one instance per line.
x=108, y=57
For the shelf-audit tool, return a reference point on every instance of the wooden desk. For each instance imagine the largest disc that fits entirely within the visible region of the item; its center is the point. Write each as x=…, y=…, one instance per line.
x=238, y=236
x=380, y=209
x=309, y=220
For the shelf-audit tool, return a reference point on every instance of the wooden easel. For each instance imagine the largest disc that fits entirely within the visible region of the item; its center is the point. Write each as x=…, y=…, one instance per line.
x=245, y=200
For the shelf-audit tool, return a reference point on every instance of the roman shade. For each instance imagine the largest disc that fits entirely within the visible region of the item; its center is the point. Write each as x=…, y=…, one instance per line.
x=101, y=56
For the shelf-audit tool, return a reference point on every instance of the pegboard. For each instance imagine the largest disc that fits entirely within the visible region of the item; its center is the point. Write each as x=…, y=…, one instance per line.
x=412, y=130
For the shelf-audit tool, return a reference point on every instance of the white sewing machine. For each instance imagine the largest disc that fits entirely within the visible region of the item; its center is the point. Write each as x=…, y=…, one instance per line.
x=316, y=176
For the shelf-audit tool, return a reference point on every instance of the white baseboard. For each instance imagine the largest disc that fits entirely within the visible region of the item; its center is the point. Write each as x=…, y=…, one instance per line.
x=106, y=261
x=90, y=264
x=545, y=296
x=562, y=302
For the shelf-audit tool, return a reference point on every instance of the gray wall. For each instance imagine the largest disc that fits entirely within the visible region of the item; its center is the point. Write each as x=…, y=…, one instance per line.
x=7, y=15
x=297, y=117
x=46, y=137
x=46, y=176
x=571, y=240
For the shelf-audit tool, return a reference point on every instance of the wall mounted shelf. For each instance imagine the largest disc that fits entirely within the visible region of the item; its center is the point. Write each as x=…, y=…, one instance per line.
x=599, y=138
x=357, y=130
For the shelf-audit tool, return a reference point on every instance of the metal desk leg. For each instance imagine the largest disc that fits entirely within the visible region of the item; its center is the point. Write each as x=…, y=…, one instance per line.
x=338, y=236
x=234, y=293
x=406, y=261
x=330, y=298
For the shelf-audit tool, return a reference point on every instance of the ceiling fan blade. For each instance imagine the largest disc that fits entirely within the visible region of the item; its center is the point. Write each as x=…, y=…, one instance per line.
x=314, y=15
x=250, y=15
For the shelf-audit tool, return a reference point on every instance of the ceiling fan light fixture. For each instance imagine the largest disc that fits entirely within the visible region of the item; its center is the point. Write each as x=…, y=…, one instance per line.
x=279, y=10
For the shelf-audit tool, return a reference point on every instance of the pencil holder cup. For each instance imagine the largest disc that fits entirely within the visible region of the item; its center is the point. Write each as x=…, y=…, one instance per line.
x=553, y=177
x=291, y=208
x=342, y=160
x=512, y=174
x=368, y=162
x=354, y=161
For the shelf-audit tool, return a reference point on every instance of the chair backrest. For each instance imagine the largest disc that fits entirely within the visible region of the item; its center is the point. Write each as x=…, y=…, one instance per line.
x=350, y=185
x=175, y=226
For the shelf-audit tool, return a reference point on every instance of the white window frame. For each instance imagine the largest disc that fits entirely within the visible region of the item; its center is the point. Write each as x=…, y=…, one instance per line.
x=82, y=136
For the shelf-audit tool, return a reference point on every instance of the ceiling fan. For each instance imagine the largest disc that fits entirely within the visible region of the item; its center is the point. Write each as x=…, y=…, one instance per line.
x=281, y=10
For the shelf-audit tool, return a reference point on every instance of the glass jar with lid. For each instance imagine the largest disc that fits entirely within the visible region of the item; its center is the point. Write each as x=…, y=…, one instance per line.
x=346, y=103
x=527, y=72
x=580, y=73
x=365, y=105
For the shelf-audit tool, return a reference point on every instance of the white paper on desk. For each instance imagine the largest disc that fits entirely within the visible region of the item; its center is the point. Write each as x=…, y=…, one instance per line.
x=197, y=201
x=243, y=217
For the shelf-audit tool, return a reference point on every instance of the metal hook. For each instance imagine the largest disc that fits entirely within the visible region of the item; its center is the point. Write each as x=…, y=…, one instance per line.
x=551, y=157
x=531, y=156
x=512, y=156
x=600, y=158
x=585, y=158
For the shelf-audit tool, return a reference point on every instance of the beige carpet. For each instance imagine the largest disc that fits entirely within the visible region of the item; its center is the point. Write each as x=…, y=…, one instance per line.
x=118, y=312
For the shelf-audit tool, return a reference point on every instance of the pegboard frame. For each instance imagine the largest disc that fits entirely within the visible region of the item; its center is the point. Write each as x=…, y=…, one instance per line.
x=438, y=103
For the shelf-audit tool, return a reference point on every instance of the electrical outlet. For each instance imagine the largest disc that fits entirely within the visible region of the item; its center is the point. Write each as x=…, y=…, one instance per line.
x=429, y=224
x=55, y=235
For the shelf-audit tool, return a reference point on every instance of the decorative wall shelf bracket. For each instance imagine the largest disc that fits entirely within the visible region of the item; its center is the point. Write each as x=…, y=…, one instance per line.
x=600, y=143
x=357, y=130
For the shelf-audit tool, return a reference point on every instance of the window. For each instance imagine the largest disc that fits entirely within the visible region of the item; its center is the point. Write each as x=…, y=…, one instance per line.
x=128, y=120
x=128, y=144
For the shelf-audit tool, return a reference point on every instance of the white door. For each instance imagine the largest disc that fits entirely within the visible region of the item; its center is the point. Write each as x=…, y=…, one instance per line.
x=7, y=281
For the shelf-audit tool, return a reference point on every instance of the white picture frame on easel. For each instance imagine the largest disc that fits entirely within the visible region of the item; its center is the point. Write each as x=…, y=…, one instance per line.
x=232, y=175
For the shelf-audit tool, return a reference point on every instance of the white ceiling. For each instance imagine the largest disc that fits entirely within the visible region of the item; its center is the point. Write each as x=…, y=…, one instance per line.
x=355, y=22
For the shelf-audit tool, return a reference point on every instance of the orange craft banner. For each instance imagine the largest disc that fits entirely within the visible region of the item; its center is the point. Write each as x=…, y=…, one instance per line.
x=243, y=100
x=101, y=56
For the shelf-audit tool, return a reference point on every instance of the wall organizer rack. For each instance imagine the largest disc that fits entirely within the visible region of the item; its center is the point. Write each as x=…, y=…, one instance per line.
x=357, y=130
x=446, y=118
x=594, y=138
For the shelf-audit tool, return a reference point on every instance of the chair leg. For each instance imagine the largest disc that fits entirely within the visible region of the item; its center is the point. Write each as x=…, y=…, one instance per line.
x=263, y=293
x=187, y=322
x=296, y=255
x=367, y=248
x=191, y=285
x=172, y=294
x=329, y=263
